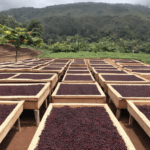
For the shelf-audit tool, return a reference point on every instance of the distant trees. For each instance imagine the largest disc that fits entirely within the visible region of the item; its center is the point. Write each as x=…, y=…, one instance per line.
x=36, y=27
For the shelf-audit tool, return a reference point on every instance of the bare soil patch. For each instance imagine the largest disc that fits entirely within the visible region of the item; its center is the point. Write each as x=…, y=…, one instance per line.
x=8, y=52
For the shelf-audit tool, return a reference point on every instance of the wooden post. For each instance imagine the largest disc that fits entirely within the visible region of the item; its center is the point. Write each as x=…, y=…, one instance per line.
x=118, y=113
x=130, y=120
x=109, y=100
x=46, y=103
x=19, y=128
x=49, y=98
x=37, y=116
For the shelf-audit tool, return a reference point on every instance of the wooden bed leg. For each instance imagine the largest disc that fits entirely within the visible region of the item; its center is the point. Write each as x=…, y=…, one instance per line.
x=37, y=116
x=118, y=113
x=109, y=100
x=130, y=120
x=46, y=103
x=19, y=127
x=49, y=98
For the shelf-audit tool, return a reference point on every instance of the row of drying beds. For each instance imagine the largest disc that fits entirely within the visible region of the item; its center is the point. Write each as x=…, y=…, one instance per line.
x=33, y=66
x=65, y=99
x=33, y=101
x=68, y=98
x=123, y=102
x=83, y=97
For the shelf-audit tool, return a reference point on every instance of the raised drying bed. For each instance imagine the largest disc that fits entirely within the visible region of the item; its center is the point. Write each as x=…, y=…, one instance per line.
x=142, y=73
x=78, y=63
x=78, y=93
x=34, y=95
x=52, y=78
x=70, y=126
x=78, y=72
x=9, y=113
x=56, y=65
x=139, y=113
x=109, y=71
x=78, y=68
x=103, y=68
x=120, y=79
x=4, y=76
x=59, y=71
x=78, y=78
x=130, y=63
x=120, y=93
x=125, y=60
x=130, y=68
x=100, y=66
x=97, y=62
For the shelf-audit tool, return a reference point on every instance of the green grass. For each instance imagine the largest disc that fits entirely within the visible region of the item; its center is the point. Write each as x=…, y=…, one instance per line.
x=143, y=57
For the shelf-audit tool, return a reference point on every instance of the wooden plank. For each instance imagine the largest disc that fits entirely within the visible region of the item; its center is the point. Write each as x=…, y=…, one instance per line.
x=138, y=115
x=120, y=130
x=11, y=119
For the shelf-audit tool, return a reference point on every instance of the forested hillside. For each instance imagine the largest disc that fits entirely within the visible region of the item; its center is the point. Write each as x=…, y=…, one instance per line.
x=92, y=21
x=79, y=10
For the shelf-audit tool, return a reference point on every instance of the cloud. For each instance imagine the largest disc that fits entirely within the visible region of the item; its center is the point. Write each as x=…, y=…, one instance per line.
x=8, y=4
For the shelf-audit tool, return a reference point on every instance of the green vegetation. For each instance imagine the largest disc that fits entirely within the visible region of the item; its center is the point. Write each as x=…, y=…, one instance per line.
x=17, y=37
x=92, y=21
x=114, y=55
x=86, y=30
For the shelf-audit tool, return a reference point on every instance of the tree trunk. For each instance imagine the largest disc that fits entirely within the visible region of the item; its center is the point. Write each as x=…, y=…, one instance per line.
x=16, y=54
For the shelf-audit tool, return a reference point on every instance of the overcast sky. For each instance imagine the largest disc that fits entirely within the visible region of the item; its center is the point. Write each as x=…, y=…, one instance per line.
x=8, y=4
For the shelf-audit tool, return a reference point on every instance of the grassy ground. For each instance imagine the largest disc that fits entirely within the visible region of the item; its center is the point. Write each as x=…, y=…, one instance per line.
x=140, y=56
x=143, y=57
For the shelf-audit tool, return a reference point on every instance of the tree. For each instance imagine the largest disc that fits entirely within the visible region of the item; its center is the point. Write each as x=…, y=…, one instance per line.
x=36, y=27
x=11, y=22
